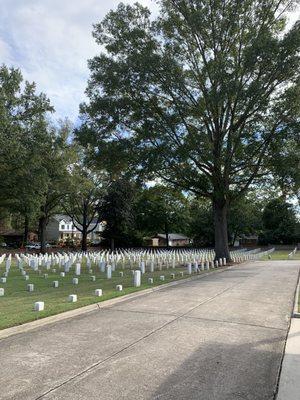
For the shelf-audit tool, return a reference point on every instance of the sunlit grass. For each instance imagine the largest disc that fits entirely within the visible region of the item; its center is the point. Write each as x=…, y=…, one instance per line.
x=16, y=306
x=282, y=255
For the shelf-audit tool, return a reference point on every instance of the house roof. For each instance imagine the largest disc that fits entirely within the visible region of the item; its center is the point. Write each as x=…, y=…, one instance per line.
x=66, y=218
x=62, y=217
x=172, y=236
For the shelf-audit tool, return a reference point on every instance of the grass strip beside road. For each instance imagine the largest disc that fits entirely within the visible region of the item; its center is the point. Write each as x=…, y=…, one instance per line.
x=282, y=255
x=16, y=306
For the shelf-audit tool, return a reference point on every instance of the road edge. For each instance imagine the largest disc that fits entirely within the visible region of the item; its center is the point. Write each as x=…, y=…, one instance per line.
x=294, y=315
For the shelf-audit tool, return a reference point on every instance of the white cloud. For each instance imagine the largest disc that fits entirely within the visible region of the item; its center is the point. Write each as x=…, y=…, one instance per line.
x=5, y=51
x=51, y=41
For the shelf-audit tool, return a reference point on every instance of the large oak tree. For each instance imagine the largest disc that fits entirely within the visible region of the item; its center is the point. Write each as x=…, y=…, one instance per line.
x=196, y=96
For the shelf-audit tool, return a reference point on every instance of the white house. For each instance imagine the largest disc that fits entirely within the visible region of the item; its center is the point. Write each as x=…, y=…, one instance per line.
x=61, y=227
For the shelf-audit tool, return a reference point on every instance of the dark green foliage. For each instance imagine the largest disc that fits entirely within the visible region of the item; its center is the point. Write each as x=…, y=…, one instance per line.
x=160, y=209
x=279, y=223
x=285, y=165
x=117, y=210
x=245, y=218
x=84, y=196
x=201, y=227
x=24, y=144
x=56, y=160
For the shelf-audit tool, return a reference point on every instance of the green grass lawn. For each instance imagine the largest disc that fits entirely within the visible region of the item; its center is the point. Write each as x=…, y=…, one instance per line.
x=283, y=255
x=16, y=306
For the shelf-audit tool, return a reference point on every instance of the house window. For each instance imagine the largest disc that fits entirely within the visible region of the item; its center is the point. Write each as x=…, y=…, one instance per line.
x=63, y=227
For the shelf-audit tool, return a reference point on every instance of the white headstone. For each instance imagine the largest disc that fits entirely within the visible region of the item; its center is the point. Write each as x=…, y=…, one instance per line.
x=142, y=267
x=152, y=266
x=98, y=292
x=39, y=306
x=137, y=278
x=30, y=287
x=102, y=266
x=108, y=272
x=72, y=298
x=77, y=269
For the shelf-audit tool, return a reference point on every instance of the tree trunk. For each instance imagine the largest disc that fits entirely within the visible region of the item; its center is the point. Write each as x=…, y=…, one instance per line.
x=221, y=233
x=84, y=227
x=84, y=239
x=234, y=238
x=112, y=244
x=167, y=233
x=26, y=230
x=42, y=229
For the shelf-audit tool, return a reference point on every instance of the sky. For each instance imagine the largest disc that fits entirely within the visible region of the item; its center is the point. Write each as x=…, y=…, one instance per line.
x=51, y=41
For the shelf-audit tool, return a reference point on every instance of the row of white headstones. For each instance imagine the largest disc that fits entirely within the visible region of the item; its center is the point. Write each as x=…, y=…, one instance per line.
x=194, y=260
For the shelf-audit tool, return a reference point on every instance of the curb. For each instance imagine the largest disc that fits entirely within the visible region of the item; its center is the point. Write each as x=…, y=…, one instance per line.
x=28, y=326
x=296, y=313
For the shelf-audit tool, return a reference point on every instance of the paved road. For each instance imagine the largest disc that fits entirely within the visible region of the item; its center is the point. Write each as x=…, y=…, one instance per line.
x=216, y=338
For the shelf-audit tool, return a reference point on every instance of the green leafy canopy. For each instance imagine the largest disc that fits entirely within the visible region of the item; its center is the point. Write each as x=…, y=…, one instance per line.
x=197, y=95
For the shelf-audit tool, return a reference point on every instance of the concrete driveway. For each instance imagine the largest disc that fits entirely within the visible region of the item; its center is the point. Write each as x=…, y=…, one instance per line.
x=217, y=338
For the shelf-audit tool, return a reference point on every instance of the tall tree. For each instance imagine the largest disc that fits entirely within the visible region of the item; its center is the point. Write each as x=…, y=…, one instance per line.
x=197, y=95
x=201, y=228
x=23, y=145
x=117, y=210
x=245, y=217
x=161, y=209
x=83, y=200
x=285, y=167
x=60, y=154
x=279, y=223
